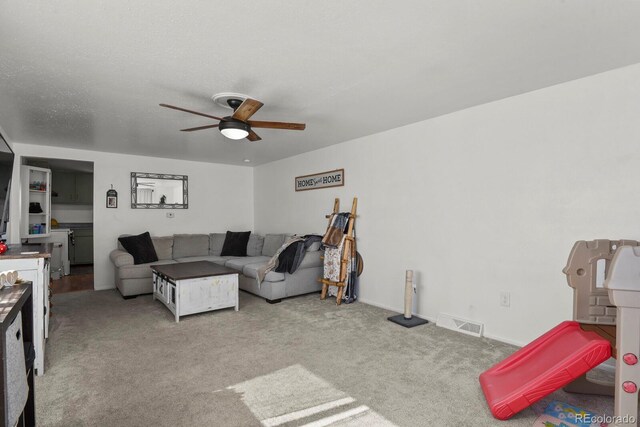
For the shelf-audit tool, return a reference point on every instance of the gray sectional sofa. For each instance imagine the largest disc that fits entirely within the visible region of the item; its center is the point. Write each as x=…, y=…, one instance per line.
x=132, y=280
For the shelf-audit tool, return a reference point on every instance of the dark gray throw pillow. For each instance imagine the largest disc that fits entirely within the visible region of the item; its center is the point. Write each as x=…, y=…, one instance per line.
x=140, y=247
x=235, y=243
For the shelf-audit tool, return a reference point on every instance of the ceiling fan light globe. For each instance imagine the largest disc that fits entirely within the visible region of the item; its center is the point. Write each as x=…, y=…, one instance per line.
x=234, y=129
x=235, y=133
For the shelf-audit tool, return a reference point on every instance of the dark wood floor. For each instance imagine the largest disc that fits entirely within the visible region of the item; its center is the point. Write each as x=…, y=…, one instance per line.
x=81, y=269
x=79, y=279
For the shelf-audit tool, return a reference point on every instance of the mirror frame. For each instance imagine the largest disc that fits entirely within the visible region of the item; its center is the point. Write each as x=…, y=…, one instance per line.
x=134, y=194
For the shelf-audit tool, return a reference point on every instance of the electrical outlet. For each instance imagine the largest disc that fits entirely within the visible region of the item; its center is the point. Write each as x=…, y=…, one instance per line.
x=171, y=214
x=505, y=299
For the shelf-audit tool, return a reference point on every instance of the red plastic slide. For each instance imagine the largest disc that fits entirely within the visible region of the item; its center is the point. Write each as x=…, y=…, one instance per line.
x=541, y=367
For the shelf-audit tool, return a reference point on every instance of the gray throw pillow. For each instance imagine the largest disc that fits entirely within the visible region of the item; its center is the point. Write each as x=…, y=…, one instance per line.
x=186, y=245
x=254, y=247
x=272, y=243
x=216, y=242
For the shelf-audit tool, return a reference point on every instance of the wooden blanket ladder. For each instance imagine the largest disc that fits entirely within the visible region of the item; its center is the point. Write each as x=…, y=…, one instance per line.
x=348, y=250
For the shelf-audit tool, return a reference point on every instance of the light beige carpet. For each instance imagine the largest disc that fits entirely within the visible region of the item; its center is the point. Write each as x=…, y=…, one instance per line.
x=115, y=362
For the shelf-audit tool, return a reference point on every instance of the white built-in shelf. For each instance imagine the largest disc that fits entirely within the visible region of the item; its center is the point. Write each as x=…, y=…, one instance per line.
x=36, y=187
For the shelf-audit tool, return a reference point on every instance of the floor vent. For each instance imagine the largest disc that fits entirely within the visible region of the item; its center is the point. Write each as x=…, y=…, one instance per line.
x=468, y=327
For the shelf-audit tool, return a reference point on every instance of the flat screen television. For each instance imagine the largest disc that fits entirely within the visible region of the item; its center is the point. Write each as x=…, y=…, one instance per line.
x=6, y=169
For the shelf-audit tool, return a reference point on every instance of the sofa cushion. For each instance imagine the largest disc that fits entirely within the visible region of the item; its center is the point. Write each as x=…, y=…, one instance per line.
x=120, y=257
x=311, y=259
x=140, y=271
x=211, y=258
x=272, y=243
x=239, y=263
x=140, y=247
x=254, y=247
x=225, y=259
x=216, y=241
x=235, y=243
x=185, y=245
x=163, y=246
x=251, y=270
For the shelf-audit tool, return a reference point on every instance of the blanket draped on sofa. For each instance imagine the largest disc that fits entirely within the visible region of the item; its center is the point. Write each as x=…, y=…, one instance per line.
x=273, y=262
x=288, y=257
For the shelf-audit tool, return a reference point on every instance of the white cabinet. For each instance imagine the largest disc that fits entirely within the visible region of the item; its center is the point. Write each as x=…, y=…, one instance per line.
x=71, y=188
x=81, y=251
x=35, y=270
x=36, y=202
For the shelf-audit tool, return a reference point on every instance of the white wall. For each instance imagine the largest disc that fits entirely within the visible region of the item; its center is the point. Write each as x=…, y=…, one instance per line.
x=484, y=200
x=220, y=199
x=72, y=213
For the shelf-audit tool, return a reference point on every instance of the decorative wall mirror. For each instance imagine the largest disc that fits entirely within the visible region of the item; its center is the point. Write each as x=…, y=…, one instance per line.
x=159, y=191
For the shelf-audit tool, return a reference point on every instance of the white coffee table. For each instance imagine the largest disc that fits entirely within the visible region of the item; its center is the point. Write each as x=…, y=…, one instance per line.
x=195, y=287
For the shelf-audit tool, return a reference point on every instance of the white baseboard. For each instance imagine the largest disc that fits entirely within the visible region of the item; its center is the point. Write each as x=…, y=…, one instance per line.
x=364, y=301
x=505, y=340
x=433, y=320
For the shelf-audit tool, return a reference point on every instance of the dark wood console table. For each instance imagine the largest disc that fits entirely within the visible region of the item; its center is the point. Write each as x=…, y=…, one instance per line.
x=14, y=300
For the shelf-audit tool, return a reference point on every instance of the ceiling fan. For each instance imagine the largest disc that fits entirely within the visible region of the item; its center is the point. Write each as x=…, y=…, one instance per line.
x=238, y=125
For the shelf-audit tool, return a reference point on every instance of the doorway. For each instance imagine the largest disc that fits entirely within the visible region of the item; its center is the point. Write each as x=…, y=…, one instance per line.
x=71, y=223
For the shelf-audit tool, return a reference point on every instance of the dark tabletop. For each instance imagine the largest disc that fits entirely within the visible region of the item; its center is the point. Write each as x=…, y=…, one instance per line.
x=10, y=296
x=42, y=250
x=192, y=270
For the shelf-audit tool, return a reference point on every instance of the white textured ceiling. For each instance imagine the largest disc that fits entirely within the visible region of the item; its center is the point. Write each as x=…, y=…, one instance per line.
x=90, y=74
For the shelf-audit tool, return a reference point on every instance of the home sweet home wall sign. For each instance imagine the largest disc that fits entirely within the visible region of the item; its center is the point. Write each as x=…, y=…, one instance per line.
x=334, y=178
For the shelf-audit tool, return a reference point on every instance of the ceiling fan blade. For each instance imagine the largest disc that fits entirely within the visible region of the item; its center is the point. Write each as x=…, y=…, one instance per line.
x=247, y=109
x=199, y=128
x=189, y=111
x=277, y=125
x=253, y=137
